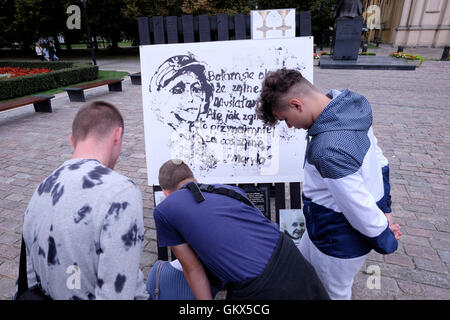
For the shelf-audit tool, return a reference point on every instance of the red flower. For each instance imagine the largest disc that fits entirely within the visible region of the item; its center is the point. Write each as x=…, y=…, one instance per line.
x=19, y=72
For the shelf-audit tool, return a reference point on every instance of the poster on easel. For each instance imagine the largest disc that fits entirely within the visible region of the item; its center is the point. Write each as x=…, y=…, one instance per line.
x=199, y=105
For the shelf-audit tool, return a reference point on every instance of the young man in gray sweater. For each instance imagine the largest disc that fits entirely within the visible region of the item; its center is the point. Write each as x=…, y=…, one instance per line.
x=83, y=227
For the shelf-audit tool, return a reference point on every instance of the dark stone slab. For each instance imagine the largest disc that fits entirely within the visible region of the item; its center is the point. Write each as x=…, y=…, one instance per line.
x=366, y=63
x=347, y=38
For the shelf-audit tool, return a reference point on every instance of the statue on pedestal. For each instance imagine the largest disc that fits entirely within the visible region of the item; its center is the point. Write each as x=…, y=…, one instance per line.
x=349, y=8
x=347, y=31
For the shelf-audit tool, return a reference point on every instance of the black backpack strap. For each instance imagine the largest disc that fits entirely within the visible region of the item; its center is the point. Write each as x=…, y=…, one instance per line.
x=225, y=192
x=197, y=189
x=194, y=188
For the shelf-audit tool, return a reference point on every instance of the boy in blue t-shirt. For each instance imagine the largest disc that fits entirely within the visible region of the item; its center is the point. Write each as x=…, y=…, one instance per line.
x=230, y=240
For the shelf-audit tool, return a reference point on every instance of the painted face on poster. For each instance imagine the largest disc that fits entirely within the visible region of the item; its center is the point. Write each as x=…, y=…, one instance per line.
x=180, y=86
x=199, y=104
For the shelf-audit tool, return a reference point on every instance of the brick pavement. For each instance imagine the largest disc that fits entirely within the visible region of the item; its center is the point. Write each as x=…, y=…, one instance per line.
x=411, y=121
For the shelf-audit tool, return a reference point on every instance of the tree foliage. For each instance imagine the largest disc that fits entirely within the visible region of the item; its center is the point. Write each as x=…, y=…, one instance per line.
x=27, y=20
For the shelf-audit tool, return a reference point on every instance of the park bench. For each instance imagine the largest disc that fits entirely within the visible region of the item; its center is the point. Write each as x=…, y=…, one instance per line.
x=41, y=103
x=76, y=94
x=136, y=78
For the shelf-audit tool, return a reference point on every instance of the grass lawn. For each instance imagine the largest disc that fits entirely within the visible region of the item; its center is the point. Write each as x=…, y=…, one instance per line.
x=102, y=75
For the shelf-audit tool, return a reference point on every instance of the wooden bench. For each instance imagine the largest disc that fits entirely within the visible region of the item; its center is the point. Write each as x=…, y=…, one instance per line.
x=136, y=78
x=76, y=94
x=41, y=103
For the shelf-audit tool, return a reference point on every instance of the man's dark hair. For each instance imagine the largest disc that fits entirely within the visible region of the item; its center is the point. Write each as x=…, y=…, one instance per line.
x=97, y=117
x=172, y=172
x=276, y=85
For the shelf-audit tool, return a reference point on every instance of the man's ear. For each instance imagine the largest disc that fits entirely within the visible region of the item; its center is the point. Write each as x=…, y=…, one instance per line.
x=118, y=135
x=71, y=140
x=296, y=103
x=166, y=192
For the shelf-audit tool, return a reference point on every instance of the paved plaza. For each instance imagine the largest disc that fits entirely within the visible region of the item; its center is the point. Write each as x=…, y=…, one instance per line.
x=412, y=124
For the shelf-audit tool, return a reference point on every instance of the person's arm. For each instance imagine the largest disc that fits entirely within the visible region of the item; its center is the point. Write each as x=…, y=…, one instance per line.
x=343, y=178
x=120, y=246
x=193, y=271
x=385, y=203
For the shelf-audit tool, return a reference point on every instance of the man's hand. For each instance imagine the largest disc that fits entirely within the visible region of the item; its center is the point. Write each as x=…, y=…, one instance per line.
x=193, y=271
x=394, y=227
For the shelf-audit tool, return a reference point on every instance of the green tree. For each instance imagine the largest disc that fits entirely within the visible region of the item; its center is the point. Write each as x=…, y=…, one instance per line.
x=40, y=18
x=9, y=33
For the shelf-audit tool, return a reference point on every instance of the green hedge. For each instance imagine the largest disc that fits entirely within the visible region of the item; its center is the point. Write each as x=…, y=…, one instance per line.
x=65, y=73
x=56, y=65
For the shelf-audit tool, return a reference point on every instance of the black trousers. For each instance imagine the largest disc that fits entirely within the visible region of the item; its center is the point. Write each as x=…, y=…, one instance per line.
x=287, y=276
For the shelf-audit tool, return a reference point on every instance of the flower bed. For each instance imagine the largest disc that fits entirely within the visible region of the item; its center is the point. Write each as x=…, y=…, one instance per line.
x=409, y=57
x=63, y=74
x=20, y=72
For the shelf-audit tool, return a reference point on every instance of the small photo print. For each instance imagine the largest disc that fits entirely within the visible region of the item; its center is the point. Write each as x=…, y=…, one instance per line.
x=159, y=197
x=292, y=223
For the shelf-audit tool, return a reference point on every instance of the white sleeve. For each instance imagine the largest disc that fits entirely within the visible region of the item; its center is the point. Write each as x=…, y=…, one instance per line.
x=381, y=158
x=360, y=209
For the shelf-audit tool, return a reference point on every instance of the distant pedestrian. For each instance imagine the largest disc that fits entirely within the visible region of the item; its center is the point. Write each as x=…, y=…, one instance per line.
x=52, y=51
x=39, y=51
x=45, y=54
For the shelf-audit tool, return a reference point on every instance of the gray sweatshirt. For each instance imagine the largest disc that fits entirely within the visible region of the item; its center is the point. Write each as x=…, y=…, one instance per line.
x=83, y=231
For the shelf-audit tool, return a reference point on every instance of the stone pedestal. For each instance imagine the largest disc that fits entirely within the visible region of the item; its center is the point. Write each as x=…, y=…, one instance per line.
x=347, y=38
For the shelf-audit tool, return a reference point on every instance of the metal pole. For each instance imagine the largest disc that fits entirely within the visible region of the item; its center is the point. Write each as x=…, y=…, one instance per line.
x=94, y=61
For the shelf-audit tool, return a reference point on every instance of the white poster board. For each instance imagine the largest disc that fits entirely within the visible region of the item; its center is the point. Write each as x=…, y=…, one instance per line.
x=272, y=24
x=199, y=106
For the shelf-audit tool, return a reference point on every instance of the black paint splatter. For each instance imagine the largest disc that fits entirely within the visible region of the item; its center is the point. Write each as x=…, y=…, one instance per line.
x=52, y=257
x=82, y=213
x=47, y=185
x=100, y=283
x=131, y=237
x=98, y=248
x=41, y=252
x=77, y=165
x=96, y=175
x=119, y=283
x=98, y=172
x=115, y=209
x=57, y=192
x=87, y=183
x=90, y=296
